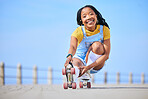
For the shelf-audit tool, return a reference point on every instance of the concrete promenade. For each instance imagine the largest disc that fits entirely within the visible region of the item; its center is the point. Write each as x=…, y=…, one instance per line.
x=57, y=92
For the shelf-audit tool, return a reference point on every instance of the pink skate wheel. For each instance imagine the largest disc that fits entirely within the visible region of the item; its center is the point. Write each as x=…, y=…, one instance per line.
x=81, y=84
x=63, y=71
x=65, y=85
x=72, y=70
x=74, y=85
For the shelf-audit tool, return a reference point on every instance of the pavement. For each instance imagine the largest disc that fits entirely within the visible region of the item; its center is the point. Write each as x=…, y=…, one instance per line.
x=57, y=92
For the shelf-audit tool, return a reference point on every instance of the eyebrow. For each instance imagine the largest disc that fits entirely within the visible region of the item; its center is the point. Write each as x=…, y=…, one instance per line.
x=89, y=12
x=83, y=14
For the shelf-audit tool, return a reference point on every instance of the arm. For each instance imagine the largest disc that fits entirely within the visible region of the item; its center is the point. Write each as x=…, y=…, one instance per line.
x=72, y=49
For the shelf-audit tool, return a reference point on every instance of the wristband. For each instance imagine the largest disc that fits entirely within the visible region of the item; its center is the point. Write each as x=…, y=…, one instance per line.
x=69, y=55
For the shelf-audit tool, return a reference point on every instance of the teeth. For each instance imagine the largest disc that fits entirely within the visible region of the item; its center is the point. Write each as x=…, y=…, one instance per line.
x=90, y=21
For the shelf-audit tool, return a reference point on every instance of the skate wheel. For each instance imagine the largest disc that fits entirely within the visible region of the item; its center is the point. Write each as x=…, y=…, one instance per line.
x=63, y=71
x=65, y=85
x=72, y=70
x=74, y=85
x=88, y=85
x=81, y=84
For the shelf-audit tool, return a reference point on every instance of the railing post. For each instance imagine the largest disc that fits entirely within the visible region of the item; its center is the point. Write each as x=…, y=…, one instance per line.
x=118, y=78
x=93, y=78
x=2, y=74
x=142, y=78
x=105, y=78
x=130, y=78
x=49, y=77
x=19, y=74
x=35, y=75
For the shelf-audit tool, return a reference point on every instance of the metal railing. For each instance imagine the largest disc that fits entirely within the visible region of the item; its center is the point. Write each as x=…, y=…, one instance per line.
x=53, y=75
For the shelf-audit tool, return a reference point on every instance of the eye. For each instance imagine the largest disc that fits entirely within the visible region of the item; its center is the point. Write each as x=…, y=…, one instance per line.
x=91, y=13
x=84, y=16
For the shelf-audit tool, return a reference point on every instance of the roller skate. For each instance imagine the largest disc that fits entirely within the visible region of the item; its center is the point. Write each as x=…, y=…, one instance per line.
x=69, y=71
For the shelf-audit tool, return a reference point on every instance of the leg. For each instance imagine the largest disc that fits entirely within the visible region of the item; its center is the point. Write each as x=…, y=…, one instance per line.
x=77, y=62
x=97, y=48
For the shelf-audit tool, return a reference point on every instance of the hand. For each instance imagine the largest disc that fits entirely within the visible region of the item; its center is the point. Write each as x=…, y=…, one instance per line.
x=67, y=61
x=83, y=69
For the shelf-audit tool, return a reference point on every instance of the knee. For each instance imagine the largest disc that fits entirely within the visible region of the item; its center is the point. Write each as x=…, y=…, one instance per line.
x=77, y=62
x=97, y=48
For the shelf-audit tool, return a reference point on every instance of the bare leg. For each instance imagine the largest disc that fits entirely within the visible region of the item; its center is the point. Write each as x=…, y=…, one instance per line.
x=97, y=48
x=77, y=62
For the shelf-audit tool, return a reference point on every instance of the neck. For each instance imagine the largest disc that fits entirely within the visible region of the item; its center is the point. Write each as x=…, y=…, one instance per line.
x=91, y=28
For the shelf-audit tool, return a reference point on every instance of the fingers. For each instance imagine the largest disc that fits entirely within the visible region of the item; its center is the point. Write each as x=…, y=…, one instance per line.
x=82, y=71
x=67, y=61
x=65, y=64
x=80, y=75
x=72, y=60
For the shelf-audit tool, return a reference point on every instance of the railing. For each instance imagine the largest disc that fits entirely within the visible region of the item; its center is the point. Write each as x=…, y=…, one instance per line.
x=50, y=78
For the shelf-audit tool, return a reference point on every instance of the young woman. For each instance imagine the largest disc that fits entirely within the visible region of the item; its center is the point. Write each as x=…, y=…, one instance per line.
x=90, y=42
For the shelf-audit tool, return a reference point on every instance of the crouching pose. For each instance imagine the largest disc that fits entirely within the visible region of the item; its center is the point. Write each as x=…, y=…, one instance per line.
x=90, y=42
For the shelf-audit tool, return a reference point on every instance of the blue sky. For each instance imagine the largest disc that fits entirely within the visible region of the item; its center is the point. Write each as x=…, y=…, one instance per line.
x=38, y=32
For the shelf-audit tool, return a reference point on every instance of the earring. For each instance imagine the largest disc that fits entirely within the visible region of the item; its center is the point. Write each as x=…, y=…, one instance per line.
x=81, y=22
x=97, y=21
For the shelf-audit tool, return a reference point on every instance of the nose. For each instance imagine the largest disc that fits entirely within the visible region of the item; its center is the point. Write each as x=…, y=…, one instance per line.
x=88, y=17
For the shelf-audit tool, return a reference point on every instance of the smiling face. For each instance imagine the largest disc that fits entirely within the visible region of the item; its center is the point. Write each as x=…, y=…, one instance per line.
x=89, y=18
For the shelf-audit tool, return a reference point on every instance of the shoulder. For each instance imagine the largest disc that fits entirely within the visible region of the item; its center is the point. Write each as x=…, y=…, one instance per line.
x=78, y=29
x=106, y=32
x=78, y=34
x=105, y=28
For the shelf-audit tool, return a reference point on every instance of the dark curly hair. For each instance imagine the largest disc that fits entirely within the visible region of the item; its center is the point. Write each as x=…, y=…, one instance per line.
x=100, y=19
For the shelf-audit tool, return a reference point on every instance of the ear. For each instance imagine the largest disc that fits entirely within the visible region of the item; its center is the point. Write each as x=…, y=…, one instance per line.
x=81, y=22
x=96, y=16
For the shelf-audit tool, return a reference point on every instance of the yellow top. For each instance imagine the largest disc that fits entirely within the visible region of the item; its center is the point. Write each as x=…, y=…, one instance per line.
x=79, y=34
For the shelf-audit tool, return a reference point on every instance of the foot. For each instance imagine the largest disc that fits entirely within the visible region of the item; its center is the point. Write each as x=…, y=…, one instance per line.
x=86, y=76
